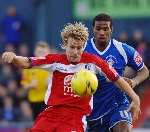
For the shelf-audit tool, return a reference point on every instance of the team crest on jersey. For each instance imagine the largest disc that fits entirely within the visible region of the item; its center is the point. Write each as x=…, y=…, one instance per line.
x=111, y=60
x=137, y=58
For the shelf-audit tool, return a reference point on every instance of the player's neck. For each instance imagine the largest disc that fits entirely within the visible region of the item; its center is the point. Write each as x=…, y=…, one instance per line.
x=101, y=46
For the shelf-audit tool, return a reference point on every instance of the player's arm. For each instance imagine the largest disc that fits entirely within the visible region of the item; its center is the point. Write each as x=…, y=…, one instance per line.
x=12, y=58
x=138, y=78
x=141, y=75
x=135, y=105
x=136, y=62
x=28, y=84
x=112, y=75
x=124, y=86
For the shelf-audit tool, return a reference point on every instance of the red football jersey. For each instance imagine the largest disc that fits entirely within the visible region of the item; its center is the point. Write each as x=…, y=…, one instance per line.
x=59, y=92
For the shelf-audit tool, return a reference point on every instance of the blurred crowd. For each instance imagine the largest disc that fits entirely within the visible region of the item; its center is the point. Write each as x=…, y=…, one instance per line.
x=14, y=105
x=137, y=41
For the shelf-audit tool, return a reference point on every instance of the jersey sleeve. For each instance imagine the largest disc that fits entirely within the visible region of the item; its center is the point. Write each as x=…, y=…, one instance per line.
x=106, y=69
x=134, y=59
x=44, y=62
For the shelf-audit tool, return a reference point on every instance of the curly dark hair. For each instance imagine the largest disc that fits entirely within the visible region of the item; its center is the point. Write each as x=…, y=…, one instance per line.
x=103, y=17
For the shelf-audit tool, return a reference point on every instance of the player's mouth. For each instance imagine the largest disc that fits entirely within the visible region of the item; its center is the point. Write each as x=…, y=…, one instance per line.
x=101, y=38
x=74, y=57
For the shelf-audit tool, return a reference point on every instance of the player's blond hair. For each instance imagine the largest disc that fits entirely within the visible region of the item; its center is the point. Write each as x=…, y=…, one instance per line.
x=77, y=30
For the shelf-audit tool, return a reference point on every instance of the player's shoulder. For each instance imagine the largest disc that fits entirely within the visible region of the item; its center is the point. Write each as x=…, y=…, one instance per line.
x=53, y=55
x=90, y=56
x=125, y=46
x=59, y=58
x=56, y=56
x=87, y=54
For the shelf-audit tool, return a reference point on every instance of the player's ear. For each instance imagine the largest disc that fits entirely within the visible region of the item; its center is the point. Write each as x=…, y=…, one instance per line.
x=63, y=45
x=112, y=29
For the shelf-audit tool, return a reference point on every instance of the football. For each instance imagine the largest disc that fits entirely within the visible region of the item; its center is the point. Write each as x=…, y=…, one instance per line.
x=84, y=83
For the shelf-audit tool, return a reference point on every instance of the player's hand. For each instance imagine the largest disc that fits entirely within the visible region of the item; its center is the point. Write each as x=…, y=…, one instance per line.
x=134, y=108
x=131, y=82
x=32, y=84
x=8, y=57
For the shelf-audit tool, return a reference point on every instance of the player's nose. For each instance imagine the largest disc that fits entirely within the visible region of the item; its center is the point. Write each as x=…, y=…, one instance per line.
x=75, y=51
x=101, y=32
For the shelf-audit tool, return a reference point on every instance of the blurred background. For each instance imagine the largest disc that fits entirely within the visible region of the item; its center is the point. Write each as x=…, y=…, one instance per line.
x=24, y=22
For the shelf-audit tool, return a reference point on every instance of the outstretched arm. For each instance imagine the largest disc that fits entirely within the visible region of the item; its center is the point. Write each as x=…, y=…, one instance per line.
x=135, y=105
x=12, y=58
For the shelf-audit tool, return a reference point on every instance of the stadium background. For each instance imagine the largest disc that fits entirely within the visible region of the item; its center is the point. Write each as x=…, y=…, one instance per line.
x=43, y=20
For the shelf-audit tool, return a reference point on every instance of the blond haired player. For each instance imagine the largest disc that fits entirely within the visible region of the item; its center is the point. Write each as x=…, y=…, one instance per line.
x=66, y=110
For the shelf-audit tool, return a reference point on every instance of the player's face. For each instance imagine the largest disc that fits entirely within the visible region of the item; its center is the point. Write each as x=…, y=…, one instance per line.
x=41, y=51
x=102, y=31
x=74, y=49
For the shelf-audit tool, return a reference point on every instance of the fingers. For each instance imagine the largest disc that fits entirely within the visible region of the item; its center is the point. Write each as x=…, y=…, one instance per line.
x=129, y=81
x=135, y=111
x=7, y=57
x=135, y=115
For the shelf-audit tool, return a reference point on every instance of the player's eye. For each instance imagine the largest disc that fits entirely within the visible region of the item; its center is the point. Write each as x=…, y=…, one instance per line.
x=79, y=48
x=71, y=47
x=98, y=29
x=105, y=29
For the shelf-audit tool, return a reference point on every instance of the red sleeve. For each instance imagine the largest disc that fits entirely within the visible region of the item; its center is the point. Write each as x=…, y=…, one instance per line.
x=37, y=61
x=108, y=70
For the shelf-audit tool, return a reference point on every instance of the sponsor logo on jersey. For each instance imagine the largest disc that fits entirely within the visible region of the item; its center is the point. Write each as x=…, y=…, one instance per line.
x=61, y=68
x=67, y=86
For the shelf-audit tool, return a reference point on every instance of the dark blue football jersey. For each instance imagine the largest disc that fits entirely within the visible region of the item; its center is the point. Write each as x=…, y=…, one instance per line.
x=108, y=96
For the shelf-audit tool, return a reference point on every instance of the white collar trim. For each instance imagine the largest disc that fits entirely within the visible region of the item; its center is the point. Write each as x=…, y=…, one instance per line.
x=99, y=52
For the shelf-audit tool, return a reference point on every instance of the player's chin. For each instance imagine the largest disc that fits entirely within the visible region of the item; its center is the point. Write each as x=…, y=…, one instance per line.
x=75, y=60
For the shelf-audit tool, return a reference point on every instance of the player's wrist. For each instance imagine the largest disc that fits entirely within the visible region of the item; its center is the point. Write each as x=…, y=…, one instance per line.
x=136, y=100
x=135, y=81
x=14, y=58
